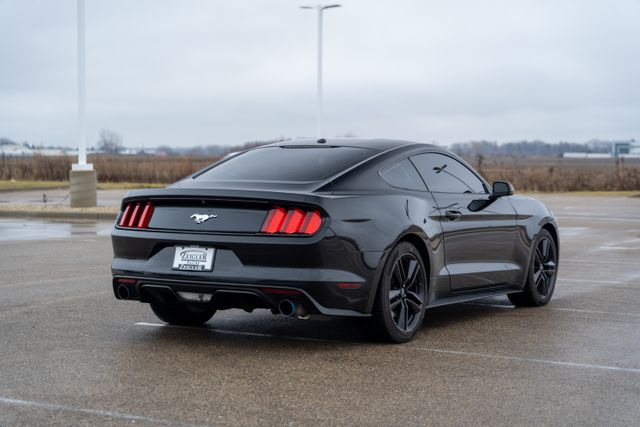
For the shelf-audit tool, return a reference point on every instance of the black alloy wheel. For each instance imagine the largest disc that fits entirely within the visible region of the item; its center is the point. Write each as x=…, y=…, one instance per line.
x=544, y=267
x=406, y=292
x=541, y=281
x=400, y=303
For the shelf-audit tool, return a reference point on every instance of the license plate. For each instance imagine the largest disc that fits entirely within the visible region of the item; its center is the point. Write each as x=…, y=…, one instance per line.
x=193, y=258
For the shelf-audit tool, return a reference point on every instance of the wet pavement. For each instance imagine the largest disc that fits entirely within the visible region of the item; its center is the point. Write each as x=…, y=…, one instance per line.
x=14, y=229
x=70, y=354
x=57, y=197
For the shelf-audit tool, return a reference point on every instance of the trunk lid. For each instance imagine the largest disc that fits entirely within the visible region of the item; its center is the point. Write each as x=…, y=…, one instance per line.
x=213, y=211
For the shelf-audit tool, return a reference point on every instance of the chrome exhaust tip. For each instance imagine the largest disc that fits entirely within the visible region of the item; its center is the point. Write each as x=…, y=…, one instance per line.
x=290, y=308
x=287, y=307
x=123, y=292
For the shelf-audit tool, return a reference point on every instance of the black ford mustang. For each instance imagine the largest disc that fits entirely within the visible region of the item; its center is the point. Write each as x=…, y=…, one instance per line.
x=376, y=229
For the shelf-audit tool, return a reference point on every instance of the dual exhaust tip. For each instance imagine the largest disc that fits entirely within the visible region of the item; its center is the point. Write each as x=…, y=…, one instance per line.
x=123, y=291
x=289, y=308
x=286, y=307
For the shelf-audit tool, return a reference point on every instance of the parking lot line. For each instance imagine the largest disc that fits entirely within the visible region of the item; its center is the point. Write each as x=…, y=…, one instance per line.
x=95, y=412
x=410, y=347
x=598, y=218
x=594, y=261
x=614, y=313
x=526, y=359
x=579, y=310
x=610, y=282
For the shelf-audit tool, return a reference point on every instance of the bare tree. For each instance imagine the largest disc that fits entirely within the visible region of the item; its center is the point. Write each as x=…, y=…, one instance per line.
x=109, y=141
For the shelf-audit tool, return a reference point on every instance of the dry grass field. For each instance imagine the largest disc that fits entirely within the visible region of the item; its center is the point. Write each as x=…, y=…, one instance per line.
x=138, y=169
x=562, y=175
x=526, y=173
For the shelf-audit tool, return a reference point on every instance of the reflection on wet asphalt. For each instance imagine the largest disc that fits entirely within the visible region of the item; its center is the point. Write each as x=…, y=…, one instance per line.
x=13, y=229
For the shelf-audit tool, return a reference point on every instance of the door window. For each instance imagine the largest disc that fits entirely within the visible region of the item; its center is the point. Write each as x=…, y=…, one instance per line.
x=444, y=174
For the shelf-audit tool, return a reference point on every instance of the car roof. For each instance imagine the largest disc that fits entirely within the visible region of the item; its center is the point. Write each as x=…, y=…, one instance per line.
x=376, y=144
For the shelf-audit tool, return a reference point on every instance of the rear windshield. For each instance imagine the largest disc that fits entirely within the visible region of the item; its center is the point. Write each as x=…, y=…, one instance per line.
x=286, y=164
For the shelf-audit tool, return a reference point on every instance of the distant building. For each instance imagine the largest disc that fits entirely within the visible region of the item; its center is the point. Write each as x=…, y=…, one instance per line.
x=618, y=149
x=19, y=150
x=15, y=150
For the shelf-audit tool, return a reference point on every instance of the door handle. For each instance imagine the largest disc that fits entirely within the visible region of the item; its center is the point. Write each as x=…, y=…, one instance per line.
x=453, y=215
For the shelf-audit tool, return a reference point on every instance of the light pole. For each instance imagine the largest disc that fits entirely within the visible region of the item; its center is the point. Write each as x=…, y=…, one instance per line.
x=82, y=97
x=82, y=178
x=320, y=8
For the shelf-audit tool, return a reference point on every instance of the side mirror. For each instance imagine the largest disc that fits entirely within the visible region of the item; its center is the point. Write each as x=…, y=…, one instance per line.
x=501, y=189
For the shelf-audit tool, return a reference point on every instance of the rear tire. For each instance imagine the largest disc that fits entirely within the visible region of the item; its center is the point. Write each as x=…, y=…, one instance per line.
x=182, y=314
x=400, y=304
x=542, y=274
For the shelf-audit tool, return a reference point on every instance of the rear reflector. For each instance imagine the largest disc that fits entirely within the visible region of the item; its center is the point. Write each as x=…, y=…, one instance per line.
x=127, y=281
x=349, y=285
x=280, y=291
x=291, y=221
x=136, y=215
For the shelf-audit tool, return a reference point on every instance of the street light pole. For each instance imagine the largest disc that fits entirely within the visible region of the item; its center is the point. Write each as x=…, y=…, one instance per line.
x=82, y=98
x=320, y=9
x=82, y=178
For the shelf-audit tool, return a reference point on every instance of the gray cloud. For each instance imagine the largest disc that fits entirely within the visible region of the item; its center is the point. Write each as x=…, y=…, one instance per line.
x=205, y=72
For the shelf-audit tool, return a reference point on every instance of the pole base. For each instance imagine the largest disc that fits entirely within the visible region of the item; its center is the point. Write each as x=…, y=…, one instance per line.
x=84, y=188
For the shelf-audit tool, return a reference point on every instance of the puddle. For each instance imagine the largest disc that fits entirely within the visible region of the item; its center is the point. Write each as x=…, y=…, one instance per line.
x=11, y=229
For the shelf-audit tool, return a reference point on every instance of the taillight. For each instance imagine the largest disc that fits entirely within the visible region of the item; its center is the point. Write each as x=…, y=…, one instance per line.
x=292, y=221
x=136, y=215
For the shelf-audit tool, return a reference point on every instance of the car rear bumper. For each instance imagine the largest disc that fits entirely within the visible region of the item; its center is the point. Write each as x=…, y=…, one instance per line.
x=325, y=274
x=224, y=295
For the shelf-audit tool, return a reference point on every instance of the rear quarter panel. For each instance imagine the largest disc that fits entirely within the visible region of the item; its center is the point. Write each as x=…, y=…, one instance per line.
x=532, y=216
x=376, y=222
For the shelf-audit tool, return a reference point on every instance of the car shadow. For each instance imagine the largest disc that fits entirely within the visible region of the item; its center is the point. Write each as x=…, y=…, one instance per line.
x=247, y=331
x=450, y=315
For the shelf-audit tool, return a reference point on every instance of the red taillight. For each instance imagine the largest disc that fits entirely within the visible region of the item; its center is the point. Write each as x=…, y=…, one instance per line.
x=274, y=220
x=146, y=215
x=312, y=223
x=124, y=219
x=291, y=221
x=136, y=215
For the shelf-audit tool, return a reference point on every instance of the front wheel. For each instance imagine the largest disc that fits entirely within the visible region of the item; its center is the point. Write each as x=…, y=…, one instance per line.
x=182, y=314
x=541, y=278
x=400, y=303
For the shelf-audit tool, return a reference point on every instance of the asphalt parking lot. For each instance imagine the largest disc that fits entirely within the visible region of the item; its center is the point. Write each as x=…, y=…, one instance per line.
x=70, y=354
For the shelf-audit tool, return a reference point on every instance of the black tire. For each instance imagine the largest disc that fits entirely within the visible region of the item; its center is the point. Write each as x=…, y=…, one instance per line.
x=542, y=274
x=400, y=304
x=182, y=314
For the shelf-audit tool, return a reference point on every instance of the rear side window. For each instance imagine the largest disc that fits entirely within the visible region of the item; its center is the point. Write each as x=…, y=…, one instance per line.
x=287, y=164
x=444, y=174
x=403, y=175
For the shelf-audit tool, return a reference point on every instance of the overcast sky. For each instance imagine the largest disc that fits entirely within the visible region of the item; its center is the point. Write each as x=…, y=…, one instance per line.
x=225, y=72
